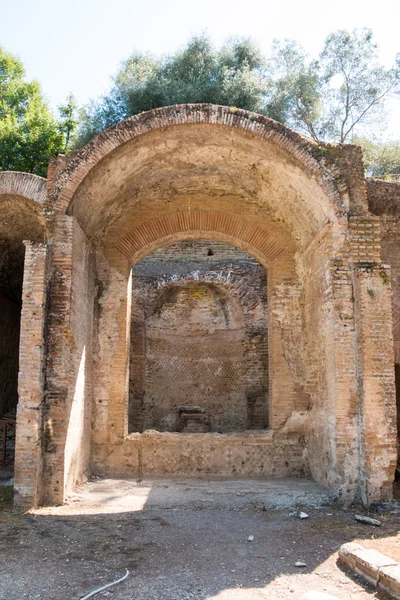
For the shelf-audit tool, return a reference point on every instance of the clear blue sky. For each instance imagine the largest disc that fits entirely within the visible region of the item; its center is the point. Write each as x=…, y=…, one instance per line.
x=76, y=45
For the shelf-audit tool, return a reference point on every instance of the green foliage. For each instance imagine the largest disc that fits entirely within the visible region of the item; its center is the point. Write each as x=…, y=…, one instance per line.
x=328, y=99
x=28, y=132
x=380, y=158
x=332, y=98
x=351, y=58
x=295, y=88
x=68, y=122
x=198, y=73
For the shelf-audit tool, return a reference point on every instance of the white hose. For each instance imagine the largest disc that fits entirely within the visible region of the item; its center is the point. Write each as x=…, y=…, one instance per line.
x=100, y=589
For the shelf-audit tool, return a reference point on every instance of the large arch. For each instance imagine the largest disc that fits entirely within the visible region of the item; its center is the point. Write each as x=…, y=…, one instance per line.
x=69, y=172
x=200, y=172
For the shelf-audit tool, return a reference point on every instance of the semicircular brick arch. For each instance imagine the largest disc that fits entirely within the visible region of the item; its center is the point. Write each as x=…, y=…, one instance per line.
x=69, y=171
x=139, y=240
x=25, y=185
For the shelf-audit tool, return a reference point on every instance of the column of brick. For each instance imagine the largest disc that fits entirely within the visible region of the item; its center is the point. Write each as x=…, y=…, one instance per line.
x=342, y=387
x=376, y=385
x=68, y=388
x=59, y=364
x=28, y=452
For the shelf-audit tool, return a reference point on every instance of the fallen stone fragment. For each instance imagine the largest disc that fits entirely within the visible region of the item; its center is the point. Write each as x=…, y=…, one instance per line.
x=250, y=538
x=369, y=520
x=300, y=564
x=303, y=515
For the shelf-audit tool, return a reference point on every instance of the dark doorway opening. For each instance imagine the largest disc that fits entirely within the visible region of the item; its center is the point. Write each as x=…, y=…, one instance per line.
x=11, y=277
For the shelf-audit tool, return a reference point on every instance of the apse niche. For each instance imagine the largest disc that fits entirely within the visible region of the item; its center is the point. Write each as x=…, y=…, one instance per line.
x=199, y=340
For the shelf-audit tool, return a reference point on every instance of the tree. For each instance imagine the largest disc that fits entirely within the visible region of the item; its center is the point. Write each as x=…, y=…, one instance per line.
x=295, y=96
x=68, y=121
x=381, y=159
x=28, y=131
x=198, y=73
x=358, y=100
x=336, y=97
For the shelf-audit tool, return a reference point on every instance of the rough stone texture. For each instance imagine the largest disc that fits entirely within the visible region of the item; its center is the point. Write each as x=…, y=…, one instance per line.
x=384, y=200
x=267, y=454
x=221, y=175
x=67, y=407
x=383, y=197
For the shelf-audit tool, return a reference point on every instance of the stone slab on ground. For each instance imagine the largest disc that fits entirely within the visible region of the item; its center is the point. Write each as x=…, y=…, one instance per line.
x=379, y=570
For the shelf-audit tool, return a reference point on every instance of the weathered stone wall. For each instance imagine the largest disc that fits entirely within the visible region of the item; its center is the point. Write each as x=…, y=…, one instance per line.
x=269, y=454
x=199, y=337
x=383, y=197
x=32, y=351
x=384, y=200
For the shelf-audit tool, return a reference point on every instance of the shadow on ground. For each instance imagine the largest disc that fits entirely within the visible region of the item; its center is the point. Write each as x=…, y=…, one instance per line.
x=186, y=540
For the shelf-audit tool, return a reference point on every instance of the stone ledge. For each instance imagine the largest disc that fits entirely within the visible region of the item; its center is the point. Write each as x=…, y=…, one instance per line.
x=379, y=570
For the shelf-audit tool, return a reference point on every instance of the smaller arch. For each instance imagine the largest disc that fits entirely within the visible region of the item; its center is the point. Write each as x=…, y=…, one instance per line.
x=22, y=197
x=207, y=224
x=24, y=185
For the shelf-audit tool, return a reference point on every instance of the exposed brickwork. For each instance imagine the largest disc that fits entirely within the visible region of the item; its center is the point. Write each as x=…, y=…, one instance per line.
x=263, y=243
x=365, y=235
x=68, y=372
x=28, y=457
x=383, y=197
x=209, y=454
x=25, y=185
x=375, y=381
x=71, y=170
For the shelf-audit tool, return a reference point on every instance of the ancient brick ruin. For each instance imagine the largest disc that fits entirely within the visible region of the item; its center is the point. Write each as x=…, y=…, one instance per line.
x=201, y=292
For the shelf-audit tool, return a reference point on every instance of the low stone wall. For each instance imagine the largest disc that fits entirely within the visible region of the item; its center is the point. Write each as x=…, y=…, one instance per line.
x=248, y=454
x=376, y=568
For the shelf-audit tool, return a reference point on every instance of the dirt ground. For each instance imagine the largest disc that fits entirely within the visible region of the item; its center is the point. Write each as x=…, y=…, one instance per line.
x=187, y=540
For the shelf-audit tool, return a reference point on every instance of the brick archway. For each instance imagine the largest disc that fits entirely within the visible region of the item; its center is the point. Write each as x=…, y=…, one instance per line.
x=200, y=223
x=23, y=185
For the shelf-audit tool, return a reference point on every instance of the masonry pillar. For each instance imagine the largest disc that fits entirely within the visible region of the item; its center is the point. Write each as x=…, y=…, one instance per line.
x=376, y=383
x=342, y=387
x=374, y=360
x=66, y=419
x=28, y=451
